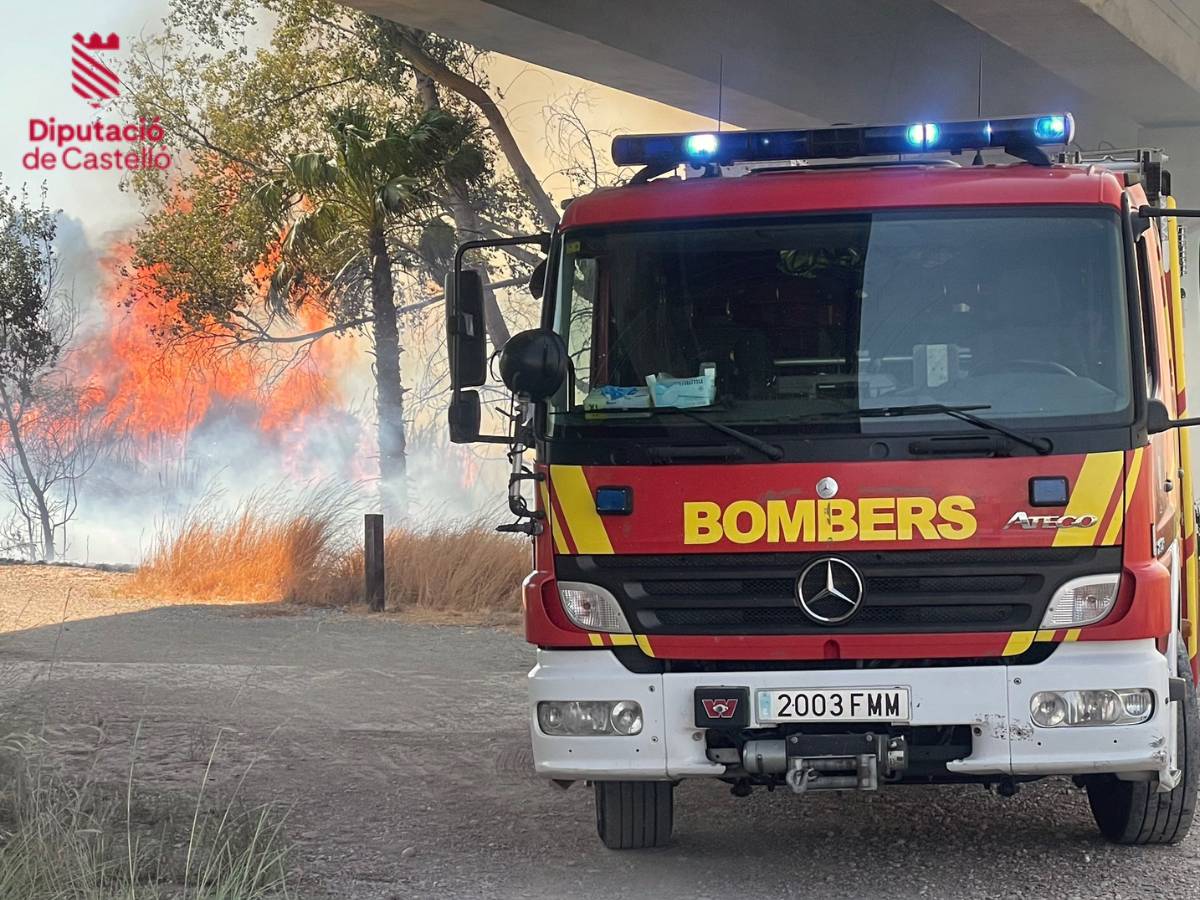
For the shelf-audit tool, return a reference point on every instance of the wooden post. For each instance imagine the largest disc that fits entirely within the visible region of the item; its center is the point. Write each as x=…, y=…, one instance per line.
x=373, y=560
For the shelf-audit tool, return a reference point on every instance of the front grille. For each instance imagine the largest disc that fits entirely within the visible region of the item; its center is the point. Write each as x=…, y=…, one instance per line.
x=782, y=617
x=904, y=591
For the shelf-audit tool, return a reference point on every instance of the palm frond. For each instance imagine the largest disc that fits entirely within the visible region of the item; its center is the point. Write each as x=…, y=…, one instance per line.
x=313, y=171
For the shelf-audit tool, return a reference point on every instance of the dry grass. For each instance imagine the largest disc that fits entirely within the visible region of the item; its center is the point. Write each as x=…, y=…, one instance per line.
x=465, y=567
x=298, y=551
x=258, y=552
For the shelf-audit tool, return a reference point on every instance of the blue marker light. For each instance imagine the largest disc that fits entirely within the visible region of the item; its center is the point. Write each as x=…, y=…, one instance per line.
x=700, y=146
x=614, y=501
x=1050, y=128
x=922, y=135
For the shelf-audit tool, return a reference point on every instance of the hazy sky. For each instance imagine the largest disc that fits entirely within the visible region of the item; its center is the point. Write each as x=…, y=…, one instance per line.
x=36, y=74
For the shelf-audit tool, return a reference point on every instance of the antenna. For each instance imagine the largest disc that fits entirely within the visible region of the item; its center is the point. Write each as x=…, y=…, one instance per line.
x=720, y=86
x=978, y=160
x=979, y=83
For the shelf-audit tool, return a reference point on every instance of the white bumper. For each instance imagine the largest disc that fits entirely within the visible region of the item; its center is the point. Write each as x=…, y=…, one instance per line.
x=994, y=700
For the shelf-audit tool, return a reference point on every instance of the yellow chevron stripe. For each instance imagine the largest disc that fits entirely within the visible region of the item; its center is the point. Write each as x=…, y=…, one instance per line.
x=1044, y=635
x=579, y=510
x=1193, y=601
x=1094, y=487
x=644, y=643
x=1118, y=519
x=597, y=640
x=1072, y=634
x=560, y=540
x=622, y=640
x=1135, y=469
x=1018, y=642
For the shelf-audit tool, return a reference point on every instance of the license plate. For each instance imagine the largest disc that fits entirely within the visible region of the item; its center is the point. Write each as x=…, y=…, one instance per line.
x=867, y=704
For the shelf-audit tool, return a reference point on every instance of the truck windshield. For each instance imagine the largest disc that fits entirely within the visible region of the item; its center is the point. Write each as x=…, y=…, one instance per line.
x=782, y=324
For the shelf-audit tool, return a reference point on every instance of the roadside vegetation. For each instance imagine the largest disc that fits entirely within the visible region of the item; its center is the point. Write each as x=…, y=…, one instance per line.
x=463, y=567
x=301, y=550
x=63, y=839
x=271, y=546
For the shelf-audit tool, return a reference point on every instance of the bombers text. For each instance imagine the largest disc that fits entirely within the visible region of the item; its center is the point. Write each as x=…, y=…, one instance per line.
x=807, y=521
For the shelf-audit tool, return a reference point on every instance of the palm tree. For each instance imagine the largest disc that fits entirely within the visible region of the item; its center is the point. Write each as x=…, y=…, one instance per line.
x=339, y=209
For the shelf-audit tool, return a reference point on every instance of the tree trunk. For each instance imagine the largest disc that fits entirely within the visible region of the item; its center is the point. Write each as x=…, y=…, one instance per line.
x=389, y=392
x=49, y=552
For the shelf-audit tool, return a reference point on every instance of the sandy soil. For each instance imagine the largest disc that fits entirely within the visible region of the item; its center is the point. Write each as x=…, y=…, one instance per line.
x=401, y=750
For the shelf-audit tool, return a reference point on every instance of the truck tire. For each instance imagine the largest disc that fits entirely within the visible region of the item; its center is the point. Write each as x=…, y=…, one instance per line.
x=1133, y=812
x=634, y=814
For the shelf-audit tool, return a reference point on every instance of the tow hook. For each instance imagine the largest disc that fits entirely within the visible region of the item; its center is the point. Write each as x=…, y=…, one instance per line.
x=799, y=779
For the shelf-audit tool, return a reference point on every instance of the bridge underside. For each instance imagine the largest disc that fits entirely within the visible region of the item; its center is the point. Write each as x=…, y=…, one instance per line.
x=1119, y=66
x=1128, y=69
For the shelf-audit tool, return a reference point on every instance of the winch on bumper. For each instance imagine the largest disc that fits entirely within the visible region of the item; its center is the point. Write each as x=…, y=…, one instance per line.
x=991, y=703
x=824, y=761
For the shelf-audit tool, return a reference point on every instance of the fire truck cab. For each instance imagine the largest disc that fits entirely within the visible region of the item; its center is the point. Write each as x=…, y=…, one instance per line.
x=858, y=461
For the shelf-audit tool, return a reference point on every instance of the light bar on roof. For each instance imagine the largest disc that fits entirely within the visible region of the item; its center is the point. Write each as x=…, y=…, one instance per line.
x=843, y=142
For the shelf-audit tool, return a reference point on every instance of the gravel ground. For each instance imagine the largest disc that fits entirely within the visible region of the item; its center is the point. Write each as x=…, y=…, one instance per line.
x=402, y=749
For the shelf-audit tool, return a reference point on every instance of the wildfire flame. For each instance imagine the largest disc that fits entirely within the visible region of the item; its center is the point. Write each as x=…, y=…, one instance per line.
x=147, y=392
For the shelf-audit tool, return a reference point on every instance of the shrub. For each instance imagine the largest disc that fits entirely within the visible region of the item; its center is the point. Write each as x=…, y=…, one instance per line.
x=299, y=550
x=260, y=551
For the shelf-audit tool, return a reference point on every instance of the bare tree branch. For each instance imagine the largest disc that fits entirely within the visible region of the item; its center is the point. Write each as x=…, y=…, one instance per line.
x=451, y=80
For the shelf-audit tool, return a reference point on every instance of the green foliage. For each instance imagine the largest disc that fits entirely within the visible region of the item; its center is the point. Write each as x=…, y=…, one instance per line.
x=334, y=206
x=28, y=290
x=267, y=162
x=65, y=840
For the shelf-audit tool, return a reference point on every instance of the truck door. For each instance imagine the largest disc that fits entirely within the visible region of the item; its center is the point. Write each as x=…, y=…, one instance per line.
x=1164, y=447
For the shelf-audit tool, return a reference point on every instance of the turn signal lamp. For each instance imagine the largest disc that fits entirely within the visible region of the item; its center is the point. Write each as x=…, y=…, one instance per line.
x=844, y=141
x=1082, y=601
x=592, y=608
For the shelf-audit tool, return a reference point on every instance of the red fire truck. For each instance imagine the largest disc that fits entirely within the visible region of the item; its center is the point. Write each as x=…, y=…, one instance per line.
x=857, y=462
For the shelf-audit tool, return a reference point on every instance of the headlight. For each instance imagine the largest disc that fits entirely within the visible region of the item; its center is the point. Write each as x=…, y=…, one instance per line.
x=592, y=607
x=589, y=718
x=1082, y=601
x=1052, y=709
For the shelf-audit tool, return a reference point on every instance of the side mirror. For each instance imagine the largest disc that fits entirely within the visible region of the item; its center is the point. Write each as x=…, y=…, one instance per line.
x=537, y=280
x=465, y=417
x=466, y=337
x=1158, y=419
x=534, y=363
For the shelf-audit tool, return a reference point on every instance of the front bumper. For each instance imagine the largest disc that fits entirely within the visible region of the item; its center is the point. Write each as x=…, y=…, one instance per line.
x=994, y=700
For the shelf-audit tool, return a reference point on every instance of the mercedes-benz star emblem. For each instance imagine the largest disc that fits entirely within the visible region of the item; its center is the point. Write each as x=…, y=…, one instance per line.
x=829, y=590
x=827, y=488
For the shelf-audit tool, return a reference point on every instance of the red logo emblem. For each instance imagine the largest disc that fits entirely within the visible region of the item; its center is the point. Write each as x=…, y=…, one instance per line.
x=720, y=709
x=91, y=79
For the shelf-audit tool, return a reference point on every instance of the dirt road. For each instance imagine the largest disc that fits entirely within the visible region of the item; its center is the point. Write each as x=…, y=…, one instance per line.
x=404, y=754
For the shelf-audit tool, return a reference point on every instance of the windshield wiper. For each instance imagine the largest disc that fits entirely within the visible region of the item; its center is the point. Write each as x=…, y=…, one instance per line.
x=963, y=414
x=770, y=451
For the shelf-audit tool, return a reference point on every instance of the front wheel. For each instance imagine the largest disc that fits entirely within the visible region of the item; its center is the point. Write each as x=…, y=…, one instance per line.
x=1134, y=812
x=634, y=814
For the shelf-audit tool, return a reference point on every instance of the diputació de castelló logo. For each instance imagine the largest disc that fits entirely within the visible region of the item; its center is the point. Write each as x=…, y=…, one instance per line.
x=95, y=145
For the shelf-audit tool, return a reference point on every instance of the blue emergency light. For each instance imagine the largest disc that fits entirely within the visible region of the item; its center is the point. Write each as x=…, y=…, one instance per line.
x=1019, y=134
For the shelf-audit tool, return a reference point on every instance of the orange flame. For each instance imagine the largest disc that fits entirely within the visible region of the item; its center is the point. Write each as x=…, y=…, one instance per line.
x=149, y=390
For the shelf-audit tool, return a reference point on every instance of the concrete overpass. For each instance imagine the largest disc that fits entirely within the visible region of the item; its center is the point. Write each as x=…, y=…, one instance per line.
x=1121, y=65
x=1128, y=69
